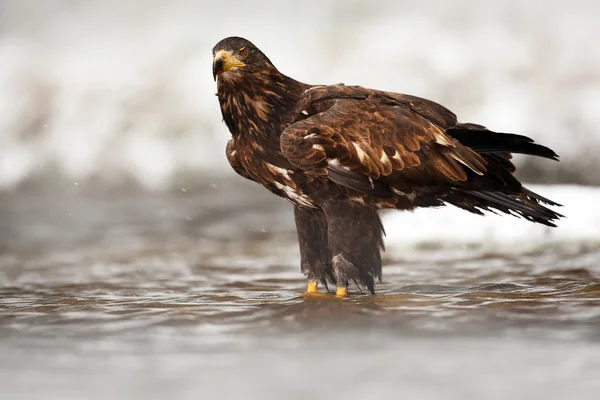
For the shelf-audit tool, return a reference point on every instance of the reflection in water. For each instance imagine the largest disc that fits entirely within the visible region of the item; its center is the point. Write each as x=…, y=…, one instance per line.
x=177, y=296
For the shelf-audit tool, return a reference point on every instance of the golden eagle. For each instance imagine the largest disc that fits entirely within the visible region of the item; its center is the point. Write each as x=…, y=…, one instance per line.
x=342, y=153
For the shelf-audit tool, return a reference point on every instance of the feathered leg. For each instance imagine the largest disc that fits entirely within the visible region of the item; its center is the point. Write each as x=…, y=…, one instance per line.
x=355, y=236
x=314, y=253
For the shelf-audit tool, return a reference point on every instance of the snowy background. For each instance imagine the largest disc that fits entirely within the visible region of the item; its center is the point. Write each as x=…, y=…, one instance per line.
x=119, y=93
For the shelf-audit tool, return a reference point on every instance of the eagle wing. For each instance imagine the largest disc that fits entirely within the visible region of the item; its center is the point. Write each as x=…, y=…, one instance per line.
x=360, y=138
x=234, y=160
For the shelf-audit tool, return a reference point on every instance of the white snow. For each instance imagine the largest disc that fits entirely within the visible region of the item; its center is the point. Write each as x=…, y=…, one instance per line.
x=451, y=227
x=114, y=90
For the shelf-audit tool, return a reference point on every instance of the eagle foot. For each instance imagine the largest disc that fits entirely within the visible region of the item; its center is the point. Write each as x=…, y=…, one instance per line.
x=312, y=287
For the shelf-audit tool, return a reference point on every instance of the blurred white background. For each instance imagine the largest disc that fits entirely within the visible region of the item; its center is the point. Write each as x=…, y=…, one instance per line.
x=155, y=293
x=117, y=93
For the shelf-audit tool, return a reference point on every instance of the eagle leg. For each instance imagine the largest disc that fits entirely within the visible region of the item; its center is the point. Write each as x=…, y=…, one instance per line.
x=311, y=226
x=355, y=239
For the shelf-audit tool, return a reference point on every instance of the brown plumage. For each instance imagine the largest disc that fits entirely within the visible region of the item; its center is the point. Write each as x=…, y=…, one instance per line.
x=341, y=153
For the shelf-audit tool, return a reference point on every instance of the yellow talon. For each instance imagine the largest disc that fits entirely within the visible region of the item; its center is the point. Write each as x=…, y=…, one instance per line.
x=312, y=287
x=341, y=292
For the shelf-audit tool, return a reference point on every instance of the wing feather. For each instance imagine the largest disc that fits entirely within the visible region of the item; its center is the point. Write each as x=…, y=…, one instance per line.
x=375, y=134
x=234, y=160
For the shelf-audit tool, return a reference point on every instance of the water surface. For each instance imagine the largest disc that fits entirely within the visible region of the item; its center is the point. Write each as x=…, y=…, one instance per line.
x=200, y=295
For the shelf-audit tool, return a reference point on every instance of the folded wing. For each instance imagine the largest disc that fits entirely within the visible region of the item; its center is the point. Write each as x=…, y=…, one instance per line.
x=358, y=137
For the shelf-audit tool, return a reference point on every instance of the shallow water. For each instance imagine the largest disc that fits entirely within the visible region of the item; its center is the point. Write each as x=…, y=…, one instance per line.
x=200, y=295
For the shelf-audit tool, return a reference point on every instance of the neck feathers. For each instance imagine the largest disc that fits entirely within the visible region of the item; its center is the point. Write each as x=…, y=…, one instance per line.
x=258, y=103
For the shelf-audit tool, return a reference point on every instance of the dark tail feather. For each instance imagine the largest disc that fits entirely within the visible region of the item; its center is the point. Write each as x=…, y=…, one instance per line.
x=525, y=204
x=484, y=141
x=499, y=190
x=538, y=198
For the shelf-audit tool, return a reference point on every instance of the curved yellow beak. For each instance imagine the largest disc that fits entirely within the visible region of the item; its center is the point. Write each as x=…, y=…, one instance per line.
x=225, y=61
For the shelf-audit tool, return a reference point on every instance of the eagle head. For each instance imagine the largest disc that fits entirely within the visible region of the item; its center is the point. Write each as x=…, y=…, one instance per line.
x=254, y=96
x=235, y=56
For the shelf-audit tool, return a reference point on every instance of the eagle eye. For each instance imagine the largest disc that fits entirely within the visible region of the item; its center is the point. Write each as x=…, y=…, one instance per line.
x=243, y=52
